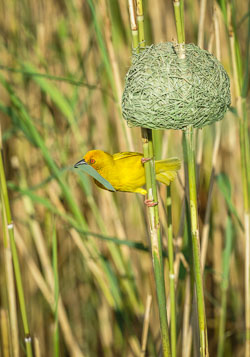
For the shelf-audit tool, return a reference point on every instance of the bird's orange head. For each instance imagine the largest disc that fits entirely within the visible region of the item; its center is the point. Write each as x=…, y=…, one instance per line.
x=96, y=158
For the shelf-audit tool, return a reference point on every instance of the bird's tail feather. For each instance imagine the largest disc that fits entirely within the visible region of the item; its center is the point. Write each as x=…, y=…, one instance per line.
x=166, y=170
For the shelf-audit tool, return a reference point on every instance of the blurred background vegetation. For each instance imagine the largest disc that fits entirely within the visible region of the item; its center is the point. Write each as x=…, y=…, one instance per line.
x=84, y=252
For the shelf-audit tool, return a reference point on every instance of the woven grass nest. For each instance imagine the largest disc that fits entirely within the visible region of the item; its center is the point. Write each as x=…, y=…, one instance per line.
x=163, y=91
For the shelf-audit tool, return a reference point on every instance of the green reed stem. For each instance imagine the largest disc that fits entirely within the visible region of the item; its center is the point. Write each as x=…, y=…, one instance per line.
x=140, y=22
x=133, y=25
x=189, y=147
x=245, y=169
x=171, y=273
x=179, y=20
x=155, y=235
x=224, y=285
x=11, y=288
x=10, y=228
x=56, y=294
x=241, y=89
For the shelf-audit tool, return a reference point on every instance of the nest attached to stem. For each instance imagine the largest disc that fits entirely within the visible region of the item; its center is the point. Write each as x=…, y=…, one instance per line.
x=163, y=91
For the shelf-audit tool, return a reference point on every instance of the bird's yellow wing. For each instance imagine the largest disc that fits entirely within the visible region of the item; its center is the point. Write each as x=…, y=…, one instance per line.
x=129, y=172
x=125, y=155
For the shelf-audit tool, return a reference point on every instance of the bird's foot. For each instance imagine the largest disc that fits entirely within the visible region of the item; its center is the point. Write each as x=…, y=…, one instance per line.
x=150, y=203
x=145, y=159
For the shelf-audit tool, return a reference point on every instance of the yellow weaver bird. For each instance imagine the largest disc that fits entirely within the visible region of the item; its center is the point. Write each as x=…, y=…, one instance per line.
x=125, y=170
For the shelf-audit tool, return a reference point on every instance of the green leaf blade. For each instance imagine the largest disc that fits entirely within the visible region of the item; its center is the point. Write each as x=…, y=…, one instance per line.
x=92, y=172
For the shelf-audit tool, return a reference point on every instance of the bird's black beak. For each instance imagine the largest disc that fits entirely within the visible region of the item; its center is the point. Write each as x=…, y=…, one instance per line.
x=81, y=162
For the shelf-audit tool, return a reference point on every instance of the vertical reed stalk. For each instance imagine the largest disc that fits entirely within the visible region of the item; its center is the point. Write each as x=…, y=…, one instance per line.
x=133, y=24
x=171, y=274
x=189, y=149
x=145, y=326
x=205, y=232
x=224, y=285
x=179, y=20
x=156, y=240
x=37, y=347
x=10, y=229
x=5, y=338
x=186, y=327
x=241, y=89
x=200, y=43
x=56, y=295
x=155, y=233
x=201, y=29
x=11, y=291
x=140, y=22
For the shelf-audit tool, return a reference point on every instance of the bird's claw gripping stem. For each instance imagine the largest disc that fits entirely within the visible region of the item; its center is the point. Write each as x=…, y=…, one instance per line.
x=145, y=159
x=150, y=203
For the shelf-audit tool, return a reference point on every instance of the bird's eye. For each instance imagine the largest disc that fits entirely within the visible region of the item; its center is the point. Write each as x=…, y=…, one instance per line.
x=92, y=161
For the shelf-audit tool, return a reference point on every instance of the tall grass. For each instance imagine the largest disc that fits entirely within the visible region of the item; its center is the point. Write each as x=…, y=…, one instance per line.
x=84, y=253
